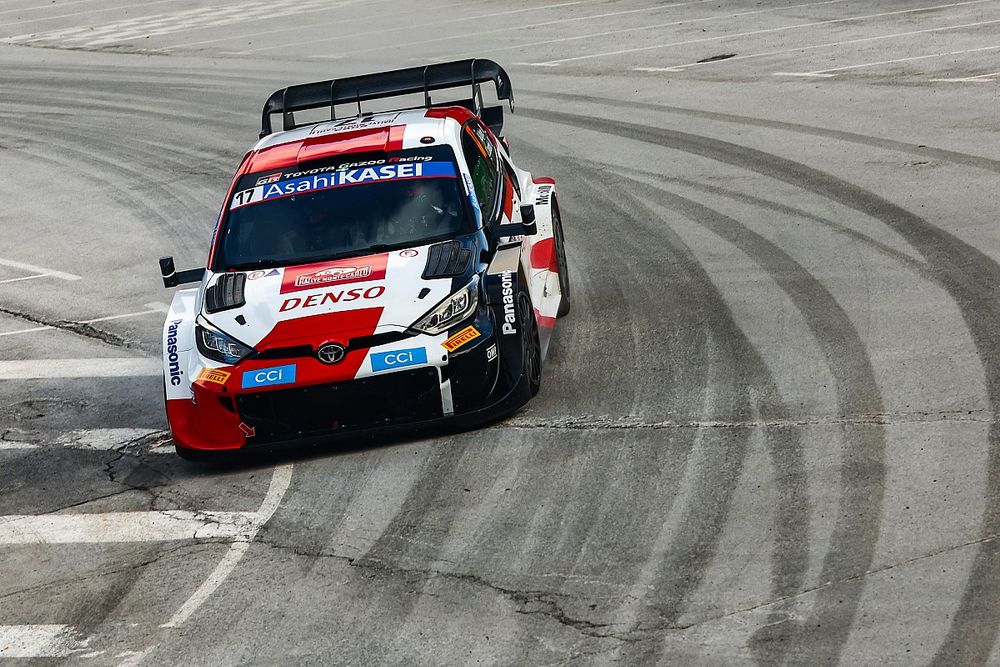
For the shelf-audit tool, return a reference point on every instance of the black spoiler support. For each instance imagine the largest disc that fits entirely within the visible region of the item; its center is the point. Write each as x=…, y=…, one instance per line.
x=422, y=79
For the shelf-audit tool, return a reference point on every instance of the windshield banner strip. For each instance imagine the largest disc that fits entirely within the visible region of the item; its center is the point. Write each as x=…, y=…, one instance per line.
x=335, y=179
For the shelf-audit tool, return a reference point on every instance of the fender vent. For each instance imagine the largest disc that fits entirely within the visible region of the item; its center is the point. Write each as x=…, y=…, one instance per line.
x=226, y=293
x=446, y=260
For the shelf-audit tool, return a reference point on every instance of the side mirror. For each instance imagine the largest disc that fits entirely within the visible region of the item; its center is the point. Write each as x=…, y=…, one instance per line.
x=528, y=220
x=171, y=278
x=167, y=272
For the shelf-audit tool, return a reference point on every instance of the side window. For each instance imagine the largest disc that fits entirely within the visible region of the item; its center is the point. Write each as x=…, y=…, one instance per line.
x=511, y=176
x=481, y=159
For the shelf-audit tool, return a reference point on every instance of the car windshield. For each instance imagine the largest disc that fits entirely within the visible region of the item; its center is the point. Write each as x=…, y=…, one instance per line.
x=317, y=212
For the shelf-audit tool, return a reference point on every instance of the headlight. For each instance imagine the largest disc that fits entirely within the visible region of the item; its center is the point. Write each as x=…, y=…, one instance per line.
x=218, y=346
x=452, y=310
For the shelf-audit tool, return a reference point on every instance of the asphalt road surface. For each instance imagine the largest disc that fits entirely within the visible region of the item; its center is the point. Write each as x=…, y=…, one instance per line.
x=767, y=433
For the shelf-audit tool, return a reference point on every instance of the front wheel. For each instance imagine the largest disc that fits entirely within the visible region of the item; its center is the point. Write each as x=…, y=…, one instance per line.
x=530, y=344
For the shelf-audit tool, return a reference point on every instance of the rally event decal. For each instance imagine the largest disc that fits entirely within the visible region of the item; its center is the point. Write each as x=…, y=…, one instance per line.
x=337, y=272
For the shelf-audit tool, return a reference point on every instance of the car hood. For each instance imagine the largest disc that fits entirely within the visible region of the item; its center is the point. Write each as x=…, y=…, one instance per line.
x=331, y=301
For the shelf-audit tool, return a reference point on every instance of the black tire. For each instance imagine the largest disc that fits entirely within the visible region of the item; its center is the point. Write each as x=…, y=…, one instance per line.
x=530, y=344
x=560, y=247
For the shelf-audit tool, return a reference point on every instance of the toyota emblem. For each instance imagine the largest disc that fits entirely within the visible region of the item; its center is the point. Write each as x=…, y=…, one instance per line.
x=331, y=353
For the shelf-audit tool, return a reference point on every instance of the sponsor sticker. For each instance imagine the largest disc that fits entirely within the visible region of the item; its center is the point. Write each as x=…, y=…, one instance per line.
x=254, y=275
x=408, y=253
x=343, y=177
x=355, y=270
x=461, y=338
x=173, y=358
x=352, y=124
x=332, y=296
x=265, y=377
x=213, y=375
x=507, y=292
x=473, y=199
x=271, y=178
x=491, y=352
x=384, y=361
x=544, y=195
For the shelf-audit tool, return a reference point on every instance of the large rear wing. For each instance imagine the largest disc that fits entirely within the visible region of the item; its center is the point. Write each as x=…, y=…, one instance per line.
x=423, y=79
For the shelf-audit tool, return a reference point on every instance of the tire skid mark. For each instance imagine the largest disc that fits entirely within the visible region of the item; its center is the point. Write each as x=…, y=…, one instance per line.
x=179, y=204
x=419, y=534
x=918, y=266
x=609, y=293
x=598, y=497
x=44, y=102
x=971, y=278
x=923, y=150
x=743, y=387
x=70, y=158
x=857, y=393
x=590, y=516
x=413, y=539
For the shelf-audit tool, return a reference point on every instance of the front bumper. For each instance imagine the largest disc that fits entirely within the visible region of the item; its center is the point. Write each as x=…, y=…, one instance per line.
x=478, y=383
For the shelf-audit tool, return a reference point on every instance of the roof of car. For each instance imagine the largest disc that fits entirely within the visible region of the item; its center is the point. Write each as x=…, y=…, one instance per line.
x=377, y=132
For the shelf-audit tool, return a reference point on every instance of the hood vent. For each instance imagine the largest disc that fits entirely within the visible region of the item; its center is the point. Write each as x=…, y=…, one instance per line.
x=226, y=293
x=446, y=260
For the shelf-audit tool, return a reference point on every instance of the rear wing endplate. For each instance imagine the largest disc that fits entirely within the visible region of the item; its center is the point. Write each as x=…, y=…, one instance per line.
x=423, y=79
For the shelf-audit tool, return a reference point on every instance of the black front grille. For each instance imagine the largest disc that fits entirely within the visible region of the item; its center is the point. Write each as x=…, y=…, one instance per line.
x=359, y=343
x=380, y=400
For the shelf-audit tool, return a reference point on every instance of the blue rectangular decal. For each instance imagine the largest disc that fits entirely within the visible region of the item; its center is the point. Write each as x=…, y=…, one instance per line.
x=263, y=377
x=342, y=177
x=383, y=361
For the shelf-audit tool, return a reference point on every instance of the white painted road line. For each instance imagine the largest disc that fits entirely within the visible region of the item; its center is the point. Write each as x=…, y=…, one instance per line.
x=280, y=480
x=153, y=308
x=37, y=269
x=88, y=12
x=98, y=439
x=812, y=47
x=984, y=78
x=103, y=439
x=11, y=444
x=826, y=73
x=31, y=277
x=534, y=26
x=796, y=26
x=804, y=74
x=410, y=28
x=37, y=641
x=44, y=6
x=654, y=26
x=47, y=369
x=398, y=11
x=162, y=526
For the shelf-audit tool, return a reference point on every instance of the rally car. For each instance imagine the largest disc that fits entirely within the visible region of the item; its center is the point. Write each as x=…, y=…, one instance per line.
x=368, y=271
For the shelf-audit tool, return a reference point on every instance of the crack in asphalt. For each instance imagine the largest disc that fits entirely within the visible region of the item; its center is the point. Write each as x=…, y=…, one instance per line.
x=532, y=602
x=979, y=416
x=78, y=328
x=152, y=439
x=545, y=603
x=195, y=546
x=829, y=584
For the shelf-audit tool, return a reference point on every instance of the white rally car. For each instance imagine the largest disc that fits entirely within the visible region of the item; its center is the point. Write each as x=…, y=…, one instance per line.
x=373, y=272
